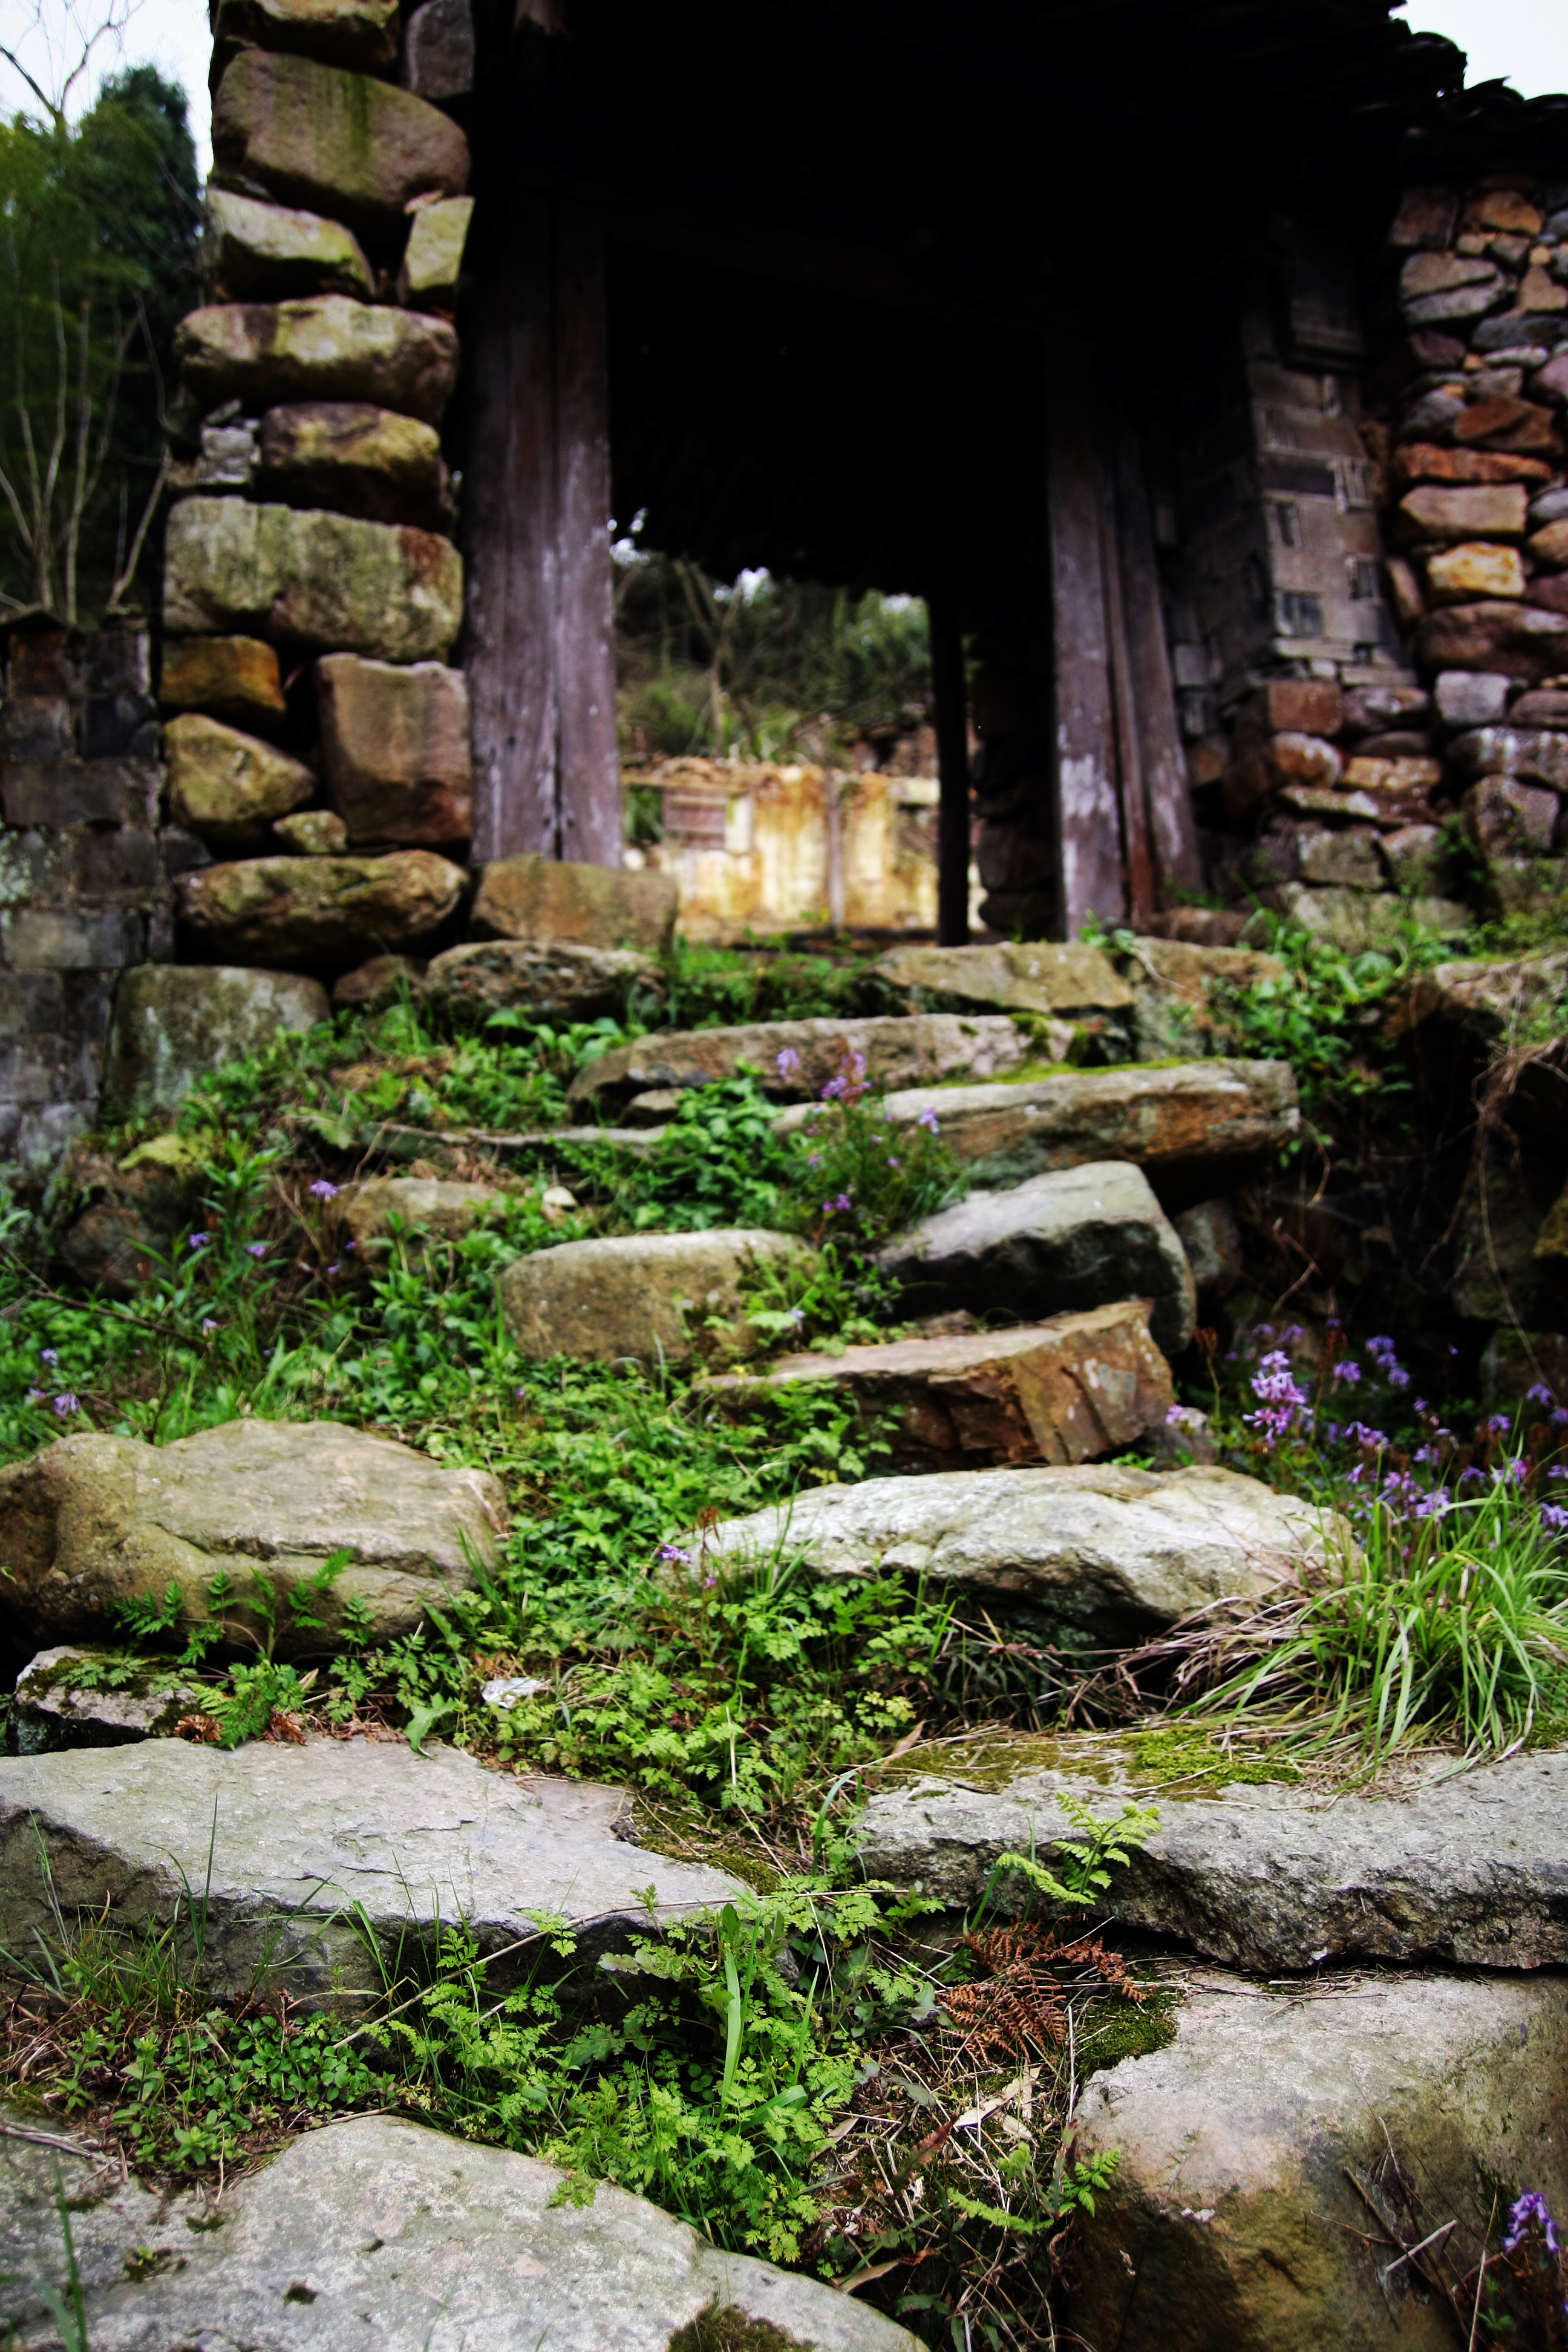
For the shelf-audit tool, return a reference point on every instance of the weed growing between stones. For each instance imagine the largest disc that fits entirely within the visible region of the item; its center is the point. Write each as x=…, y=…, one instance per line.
x=830, y=2074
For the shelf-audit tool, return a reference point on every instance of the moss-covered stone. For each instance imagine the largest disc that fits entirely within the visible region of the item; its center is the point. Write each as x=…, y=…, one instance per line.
x=236, y=679
x=174, y=1023
x=325, y=581
x=354, y=459
x=255, y=252
x=334, y=143
x=326, y=347
x=318, y=912
x=227, y=786
x=591, y=905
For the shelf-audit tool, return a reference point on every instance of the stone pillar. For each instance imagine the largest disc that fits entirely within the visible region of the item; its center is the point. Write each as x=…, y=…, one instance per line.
x=84, y=870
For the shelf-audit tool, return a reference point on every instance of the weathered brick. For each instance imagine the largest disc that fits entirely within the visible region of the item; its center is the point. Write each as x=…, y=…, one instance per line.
x=31, y=1001
x=124, y=860
x=78, y=792
x=47, y=938
x=38, y=727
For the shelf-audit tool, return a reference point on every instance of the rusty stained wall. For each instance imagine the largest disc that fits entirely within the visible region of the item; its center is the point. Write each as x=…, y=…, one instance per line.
x=764, y=847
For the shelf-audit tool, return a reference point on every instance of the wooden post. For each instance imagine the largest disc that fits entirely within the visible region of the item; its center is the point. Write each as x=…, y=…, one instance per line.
x=1128, y=748
x=539, y=645
x=949, y=695
x=1166, y=794
x=1087, y=817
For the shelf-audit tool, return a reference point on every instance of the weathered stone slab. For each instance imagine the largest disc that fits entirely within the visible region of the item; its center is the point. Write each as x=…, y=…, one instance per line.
x=50, y=1711
x=1110, y=1547
x=1475, y=568
x=1354, y=919
x=174, y=1023
x=326, y=347
x=1066, y=1391
x=1490, y=1001
x=354, y=459
x=1234, y=2217
x=95, y=1519
x=433, y=257
x=921, y=1050
x=304, y=1833
x=1195, y=1116
x=1070, y=982
x=368, y=1212
x=225, y=786
x=550, y=982
x=377, y=982
x=235, y=678
x=1212, y=1243
x=318, y=911
x=383, y=2231
x=1078, y=1238
x=546, y=898
x=1497, y=510
x=1471, y=1868
x=325, y=581
x=394, y=745
x=649, y=1295
x=1173, y=983
x=253, y=252
x=362, y=34
x=333, y=142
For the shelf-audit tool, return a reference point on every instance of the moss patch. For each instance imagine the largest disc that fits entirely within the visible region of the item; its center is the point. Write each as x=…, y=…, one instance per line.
x=1179, y=1761
x=725, y=2329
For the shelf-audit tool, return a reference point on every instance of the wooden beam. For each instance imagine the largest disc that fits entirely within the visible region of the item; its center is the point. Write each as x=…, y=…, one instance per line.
x=1173, y=833
x=1085, y=801
x=1129, y=749
x=591, y=829
x=538, y=647
x=950, y=694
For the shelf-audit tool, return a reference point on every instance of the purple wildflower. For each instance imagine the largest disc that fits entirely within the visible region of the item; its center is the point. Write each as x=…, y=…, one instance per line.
x=256, y=1249
x=1555, y=1516
x=200, y=1241
x=322, y=1191
x=787, y=1064
x=1347, y=1371
x=1530, y=2212
x=1499, y=1424
x=928, y=1119
x=49, y=1355
x=679, y=1559
x=892, y=1162
x=1540, y=1394
x=208, y=1327
x=64, y=1404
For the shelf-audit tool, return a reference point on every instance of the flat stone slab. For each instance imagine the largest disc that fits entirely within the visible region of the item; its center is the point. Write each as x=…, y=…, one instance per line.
x=1082, y=1237
x=1155, y=998
x=1233, y=2216
x=1108, y=1547
x=1061, y=1391
x=305, y=1836
x=1473, y=1868
x=318, y=911
x=95, y=1519
x=382, y=2233
x=1189, y=1116
x=643, y=1296
x=922, y=1051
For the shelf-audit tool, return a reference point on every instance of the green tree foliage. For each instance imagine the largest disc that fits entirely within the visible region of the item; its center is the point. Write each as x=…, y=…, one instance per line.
x=766, y=668
x=97, y=235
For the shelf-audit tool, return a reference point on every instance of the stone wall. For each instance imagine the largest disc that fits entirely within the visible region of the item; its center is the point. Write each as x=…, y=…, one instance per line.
x=317, y=732
x=87, y=869
x=1330, y=765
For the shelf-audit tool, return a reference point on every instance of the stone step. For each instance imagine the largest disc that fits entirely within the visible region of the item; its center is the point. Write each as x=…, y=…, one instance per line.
x=1153, y=999
x=382, y=2233
x=117, y=1707
x=1470, y=1868
x=1186, y=1122
x=1080, y=1238
x=922, y=1051
x=1110, y=1549
x=92, y=1520
x=1275, y=2159
x=648, y=1296
x=307, y=1839
x=1061, y=1391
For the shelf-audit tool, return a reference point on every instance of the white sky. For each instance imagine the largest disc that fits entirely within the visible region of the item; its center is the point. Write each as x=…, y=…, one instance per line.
x=1521, y=41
